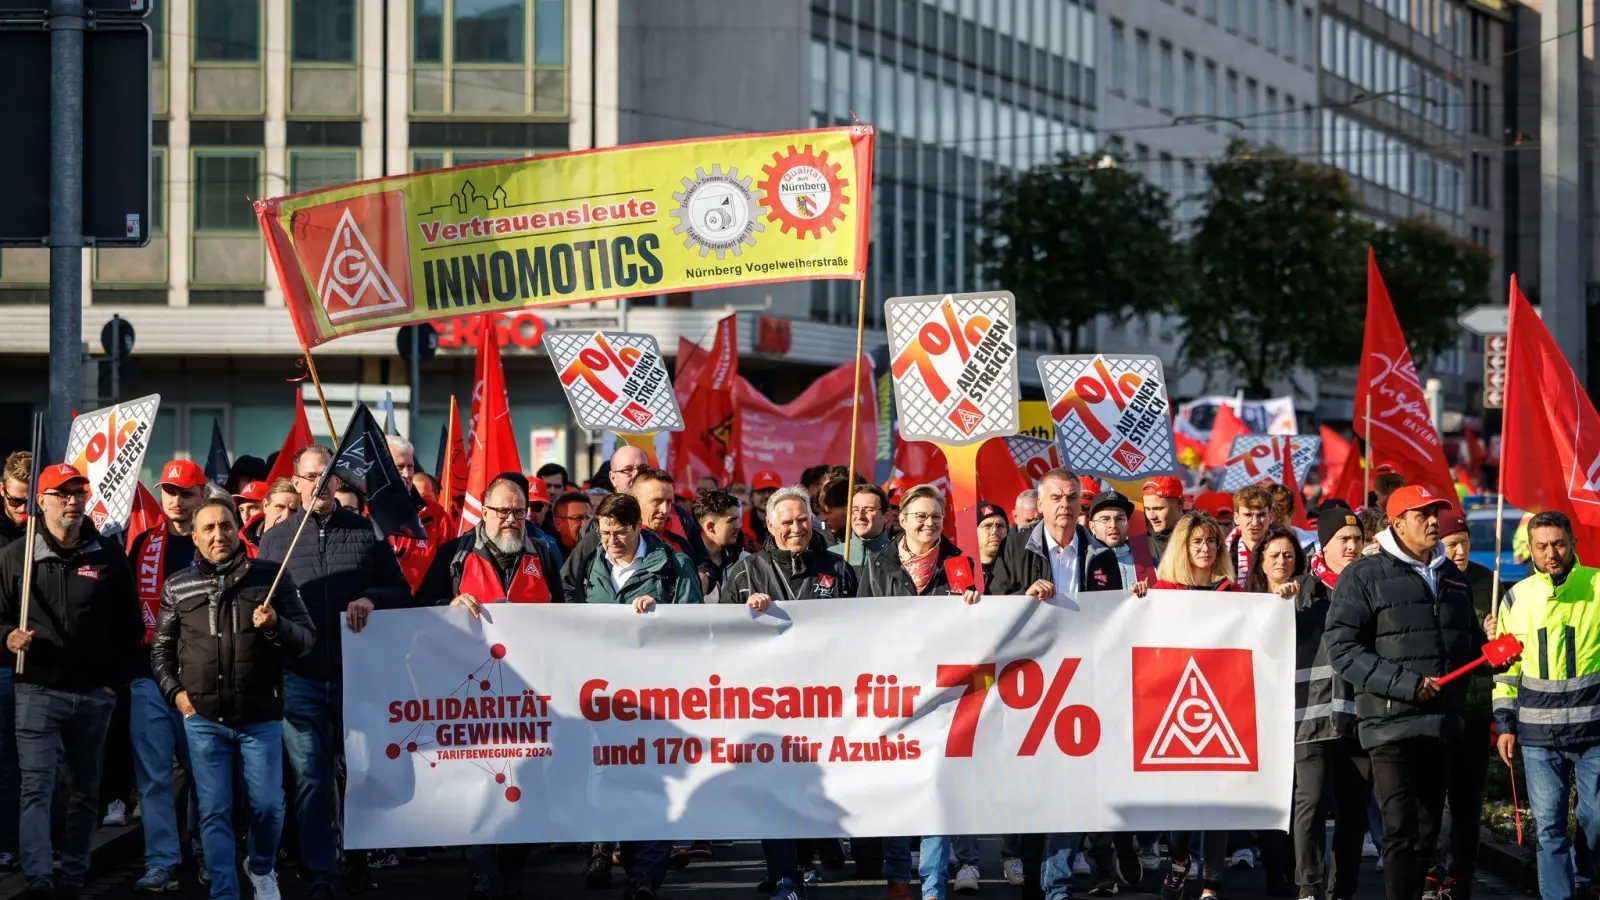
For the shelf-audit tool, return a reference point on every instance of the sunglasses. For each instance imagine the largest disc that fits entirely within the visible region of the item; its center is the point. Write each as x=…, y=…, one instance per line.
x=16, y=502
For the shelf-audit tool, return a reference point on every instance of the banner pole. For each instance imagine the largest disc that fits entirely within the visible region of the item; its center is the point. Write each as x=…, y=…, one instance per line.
x=333, y=433
x=1367, y=452
x=284, y=565
x=27, y=585
x=855, y=411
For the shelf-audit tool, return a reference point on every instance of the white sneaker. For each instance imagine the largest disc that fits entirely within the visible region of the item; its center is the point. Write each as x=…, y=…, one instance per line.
x=138, y=810
x=1080, y=864
x=116, y=814
x=1369, y=850
x=1012, y=867
x=266, y=886
x=1244, y=859
x=967, y=880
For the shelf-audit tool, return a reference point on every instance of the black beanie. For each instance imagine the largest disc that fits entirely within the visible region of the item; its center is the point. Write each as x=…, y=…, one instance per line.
x=1331, y=520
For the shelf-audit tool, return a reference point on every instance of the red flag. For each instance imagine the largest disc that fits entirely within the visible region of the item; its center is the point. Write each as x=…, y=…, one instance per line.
x=999, y=479
x=1476, y=453
x=1224, y=429
x=1550, y=443
x=299, y=436
x=146, y=515
x=492, y=446
x=1334, y=450
x=811, y=429
x=1350, y=482
x=453, y=469
x=1298, y=517
x=1400, y=430
x=704, y=384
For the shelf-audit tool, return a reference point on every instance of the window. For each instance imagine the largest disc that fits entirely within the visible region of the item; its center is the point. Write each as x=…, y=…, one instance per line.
x=158, y=190
x=1251, y=90
x=550, y=33
x=1211, y=89
x=1270, y=119
x=227, y=31
x=1230, y=15
x=1251, y=23
x=224, y=182
x=1190, y=84
x=426, y=160
x=427, y=31
x=323, y=31
x=1165, y=75
x=309, y=170
x=1230, y=100
x=158, y=31
x=488, y=31
x=1210, y=10
x=1272, y=26
x=1114, y=58
x=1308, y=36
x=1141, y=67
x=1288, y=30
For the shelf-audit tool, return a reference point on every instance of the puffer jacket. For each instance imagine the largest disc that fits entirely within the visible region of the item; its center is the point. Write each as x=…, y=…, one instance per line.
x=206, y=641
x=1387, y=630
x=879, y=575
x=812, y=574
x=1022, y=561
x=665, y=574
x=339, y=559
x=1324, y=703
x=939, y=584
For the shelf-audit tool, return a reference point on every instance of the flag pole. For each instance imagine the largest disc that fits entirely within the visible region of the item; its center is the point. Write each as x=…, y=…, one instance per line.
x=27, y=584
x=1367, y=452
x=283, y=566
x=333, y=434
x=855, y=410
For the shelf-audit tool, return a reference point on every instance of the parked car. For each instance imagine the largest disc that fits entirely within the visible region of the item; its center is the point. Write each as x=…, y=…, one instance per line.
x=1481, y=525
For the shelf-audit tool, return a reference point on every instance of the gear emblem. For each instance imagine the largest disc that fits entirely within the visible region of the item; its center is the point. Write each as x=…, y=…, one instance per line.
x=804, y=192
x=717, y=211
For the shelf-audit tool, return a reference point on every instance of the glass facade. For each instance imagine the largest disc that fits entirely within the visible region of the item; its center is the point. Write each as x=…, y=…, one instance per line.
x=961, y=91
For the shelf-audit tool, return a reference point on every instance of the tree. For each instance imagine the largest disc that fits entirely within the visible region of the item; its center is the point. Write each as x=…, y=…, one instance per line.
x=1077, y=239
x=1433, y=276
x=1278, y=261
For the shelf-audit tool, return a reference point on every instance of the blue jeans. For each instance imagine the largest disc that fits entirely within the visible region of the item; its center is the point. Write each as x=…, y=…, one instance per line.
x=313, y=734
x=10, y=775
x=156, y=728
x=897, y=860
x=935, y=866
x=55, y=728
x=257, y=748
x=645, y=862
x=1547, y=772
x=1056, y=876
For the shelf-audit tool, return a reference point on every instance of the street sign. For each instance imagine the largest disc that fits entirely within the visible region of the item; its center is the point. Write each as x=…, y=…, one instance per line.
x=116, y=132
x=1494, y=368
x=1493, y=399
x=427, y=338
x=1489, y=319
x=117, y=331
x=1495, y=343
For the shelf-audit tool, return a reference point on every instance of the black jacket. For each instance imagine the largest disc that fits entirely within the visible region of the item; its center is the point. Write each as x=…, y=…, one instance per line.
x=1158, y=546
x=1324, y=703
x=10, y=531
x=84, y=612
x=1022, y=561
x=1480, y=684
x=338, y=560
x=813, y=573
x=442, y=582
x=206, y=641
x=939, y=584
x=1387, y=630
x=879, y=575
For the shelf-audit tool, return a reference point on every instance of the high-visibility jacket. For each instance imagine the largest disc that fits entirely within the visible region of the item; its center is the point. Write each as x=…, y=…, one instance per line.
x=1550, y=697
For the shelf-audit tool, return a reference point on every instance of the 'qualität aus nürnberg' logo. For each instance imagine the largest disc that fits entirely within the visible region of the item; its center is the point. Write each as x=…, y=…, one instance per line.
x=803, y=192
x=717, y=211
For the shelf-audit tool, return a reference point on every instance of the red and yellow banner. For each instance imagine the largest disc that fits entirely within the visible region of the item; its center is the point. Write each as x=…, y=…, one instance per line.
x=572, y=228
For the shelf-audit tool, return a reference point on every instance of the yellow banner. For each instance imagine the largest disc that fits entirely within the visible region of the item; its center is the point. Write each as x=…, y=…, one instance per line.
x=572, y=228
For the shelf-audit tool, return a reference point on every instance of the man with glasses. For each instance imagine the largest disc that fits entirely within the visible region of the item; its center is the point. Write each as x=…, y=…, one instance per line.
x=344, y=572
x=67, y=690
x=626, y=464
x=14, y=524
x=155, y=725
x=572, y=516
x=416, y=554
x=495, y=562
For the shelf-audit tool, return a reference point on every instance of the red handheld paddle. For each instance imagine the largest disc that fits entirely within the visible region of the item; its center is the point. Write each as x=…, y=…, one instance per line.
x=958, y=569
x=1496, y=653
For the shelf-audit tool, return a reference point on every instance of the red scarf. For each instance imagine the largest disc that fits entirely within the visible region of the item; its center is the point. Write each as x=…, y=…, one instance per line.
x=1319, y=568
x=479, y=579
x=920, y=568
x=152, y=577
x=1241, y=556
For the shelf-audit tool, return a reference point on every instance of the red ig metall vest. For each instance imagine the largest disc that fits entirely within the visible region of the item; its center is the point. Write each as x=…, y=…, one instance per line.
x=478, y=578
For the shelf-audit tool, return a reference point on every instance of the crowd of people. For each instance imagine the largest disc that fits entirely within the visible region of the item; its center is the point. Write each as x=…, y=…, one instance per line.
x=190, y=676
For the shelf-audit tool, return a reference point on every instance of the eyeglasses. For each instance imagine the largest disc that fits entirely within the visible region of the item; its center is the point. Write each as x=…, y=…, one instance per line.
x=312, y=477
x=864, y=511
x=629, y=471
x=578, y=518
x=78, y=496
x=615, y=535
x=923, y=518
x=16, y=501
x=508, y=512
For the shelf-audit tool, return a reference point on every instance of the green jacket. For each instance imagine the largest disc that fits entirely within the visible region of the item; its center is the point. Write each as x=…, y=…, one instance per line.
x=665, y=574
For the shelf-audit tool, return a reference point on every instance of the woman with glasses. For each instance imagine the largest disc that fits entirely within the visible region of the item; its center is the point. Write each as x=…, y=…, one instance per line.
x=922, y=549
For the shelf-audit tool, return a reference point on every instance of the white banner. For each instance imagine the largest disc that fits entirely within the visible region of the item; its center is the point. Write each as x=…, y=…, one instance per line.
x=1275, y=416
x=817, y=719
x=108, y=445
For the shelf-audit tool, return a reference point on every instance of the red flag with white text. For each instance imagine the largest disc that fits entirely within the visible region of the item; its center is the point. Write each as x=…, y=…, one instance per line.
x=492, y=445
x=1550, y=442
x=1400, y=430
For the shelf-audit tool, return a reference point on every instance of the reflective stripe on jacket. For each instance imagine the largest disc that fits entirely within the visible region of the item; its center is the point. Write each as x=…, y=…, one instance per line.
x=1551, y=696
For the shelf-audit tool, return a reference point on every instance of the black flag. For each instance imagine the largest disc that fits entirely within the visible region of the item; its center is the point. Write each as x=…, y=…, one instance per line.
x=41, y=453
x=217, y=464
x=364, y=463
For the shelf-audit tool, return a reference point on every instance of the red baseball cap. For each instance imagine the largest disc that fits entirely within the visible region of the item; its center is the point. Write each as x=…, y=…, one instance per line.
x=1450, y=522
x=766, y=479
x=255, y=492
x=1414, y=496
x=1163, y=487
x=53, y=477
x=538, y=491
x=181, y=473
x=1088, y=487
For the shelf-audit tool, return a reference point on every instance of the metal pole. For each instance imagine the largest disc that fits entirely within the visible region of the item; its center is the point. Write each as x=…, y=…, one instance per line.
x=67, y=23
x=1563, y=264
x=116, y=359
x=413, y=411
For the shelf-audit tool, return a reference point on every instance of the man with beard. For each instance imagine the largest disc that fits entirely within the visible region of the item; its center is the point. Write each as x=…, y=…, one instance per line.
x=14, y=524
x=82, y=637
x=992, y=531
x=155, y=726
x=1163, y=506
x=344, y=571
x=1546, y=701
x=220, y=644
x=1108, y=522
x=13, y=527
x=496, y=562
